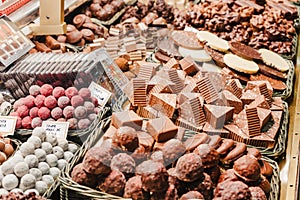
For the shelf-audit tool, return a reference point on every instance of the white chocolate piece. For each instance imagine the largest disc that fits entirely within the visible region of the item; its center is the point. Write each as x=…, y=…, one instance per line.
x=10, y=182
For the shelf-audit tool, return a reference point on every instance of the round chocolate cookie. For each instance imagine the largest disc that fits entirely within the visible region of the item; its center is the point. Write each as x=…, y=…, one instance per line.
x=236, y=190
x=189, y=167
x=172, y=150
x=244, y=51
x=247, y=168
x=210, y=157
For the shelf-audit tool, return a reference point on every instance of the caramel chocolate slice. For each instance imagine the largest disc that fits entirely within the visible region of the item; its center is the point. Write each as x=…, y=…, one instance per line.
x=146, y=71
x=145, y=140
x=271, y=72
x=172, y=63
x=139, y=92
x=235, y=87
x=232, y=101
x=193, y=142
x=161, y=129
x=188, y=65
x=186, y=39
x=207, y=128
x=253, y=122
x=126, y=118
x=192, y=111
x=165, y=103
x=260, y=102
x=207, y=90
x=217, y=116
x=276, y=84
x=244, y=51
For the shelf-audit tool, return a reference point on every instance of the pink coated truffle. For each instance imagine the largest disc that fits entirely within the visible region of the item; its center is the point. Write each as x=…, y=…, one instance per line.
x=26, y=122
x=19, y=123
x=14, y=114
x=72, y=123
x=23, y=111
x=29, y=101
x=58, y=92
x=85, y=93
x=83, y=123
x=71, y=92
x=44, y=113
x=92, y=116
x=18, y=103
x=77, y=101
x=36, y=122
x=34, y=90
x=39, y=101
x=33, y=112
x=68, y=112
x=63, y=102
x=50, y=102
x=80, y=112
x=89, y=106
x=95, y=101
x=46, y=90
x=61, y=120
x=56, y=113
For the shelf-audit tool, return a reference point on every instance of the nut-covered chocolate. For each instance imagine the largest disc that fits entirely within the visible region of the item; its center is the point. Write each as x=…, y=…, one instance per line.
x=247, y=168
x=189, y=167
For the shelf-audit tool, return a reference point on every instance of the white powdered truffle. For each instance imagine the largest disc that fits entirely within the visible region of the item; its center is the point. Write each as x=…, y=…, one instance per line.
x=35, y=140
x=27, y=192
x=1, y=177
x=41, y=187
x=7, y=167
x=3, y=192
x=27, y=148
x=16, y=190
x=52, y=139
x=48, y=179
x=61, y=163
x=54, y=172
x=68, y=155
x=63, y=143
x=51, y=159
x=44, y=167
x=32, y=161
x=27, y=182
x=21, y=169
x=10, y=182
x=72, y=147
x=17, y=158
x=58, y=151
x=40, y=132
x=40, y=154
x=47, y=147
x=36, y=173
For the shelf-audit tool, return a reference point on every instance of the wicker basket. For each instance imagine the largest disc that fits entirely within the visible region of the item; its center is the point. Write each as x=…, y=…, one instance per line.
x=70, y=190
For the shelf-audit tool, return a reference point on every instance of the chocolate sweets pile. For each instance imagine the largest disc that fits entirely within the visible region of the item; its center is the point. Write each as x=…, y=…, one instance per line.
x=104, y=9
x=149, y=160
x=56, y=104
x=6, y=149
x=269, y=25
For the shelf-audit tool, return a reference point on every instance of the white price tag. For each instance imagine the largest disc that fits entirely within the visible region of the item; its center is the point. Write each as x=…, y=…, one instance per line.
x=101, y=94
x=60, y=129
x=7, y=125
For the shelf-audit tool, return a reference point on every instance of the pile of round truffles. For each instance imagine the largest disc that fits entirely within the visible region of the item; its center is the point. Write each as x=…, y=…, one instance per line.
x=73, y=105
x=6, y=149
x=37, y=164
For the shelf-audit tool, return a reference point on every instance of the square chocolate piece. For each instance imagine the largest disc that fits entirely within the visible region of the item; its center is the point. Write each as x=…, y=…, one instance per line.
x=217, y=116
x=126, y=118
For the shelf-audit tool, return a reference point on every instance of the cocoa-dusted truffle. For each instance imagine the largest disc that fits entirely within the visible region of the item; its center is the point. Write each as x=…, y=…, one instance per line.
x=36, y=122
x=134, y=190
x=97, y=161
x=39, y=101
x=228, y=175
x=85, y=93
x=70, y=92
x=232, y=190
x=80, y=112
x=19, y=122
x=124, y=163
x=33, y=112
x=92, y=117
x=81, y=177
x=89, y=106
x=68, y=112
x=23, y=111
x=114, y=183
x=192, y=195
x=128, y=138
x=58, y=92
x=209, y=156
x=77, y=100
x=84, y=123
x=247, y=168
x=154, y=176
x=29, y=101
x=46, y=90
x=257, y=193
x=56, y=113
x=44, y=113
x=26, y=122
x=203, y=185
x=72, y=123
x=189, y=167
x=50, y=102
x=34, y=90
x=63, y=101
x=172, y=150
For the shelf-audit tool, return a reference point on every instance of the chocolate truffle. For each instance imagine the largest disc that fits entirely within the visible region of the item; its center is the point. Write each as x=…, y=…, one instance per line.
x=85, y=93
x=134, y=190
x=97, y=161
x=29, y=101
x=46, y=90
x=72, y=123
x=127, y=137
x=209, y=156
x=114, y=183
x=228, y=175
x=80, y=112
x=124, y=163
x=170, y=194
x=34, y=90
x=232, y=190
x=154, y=176
x=81, y=177
x=192, y=195
x=77, y=101
x=89, y=106
x=68, y=112
x=44, y=113
x=33, y=112
x=56, y=113
x=26, y=122
x=58, y=92
x=23, y=111
x=157, y=156
x=139, y=155
x=70, y=92
x=39, y=101
x=257, y=193
x=172, y=150
x=189, y=167
x=50, y=102
x=63, y=101
x=247, y=168
x=204, y=186
x=84, y=123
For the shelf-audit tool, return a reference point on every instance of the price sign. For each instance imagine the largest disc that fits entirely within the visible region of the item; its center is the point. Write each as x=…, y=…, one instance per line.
x=60, y=129
x=7, y=125
x=101, y=94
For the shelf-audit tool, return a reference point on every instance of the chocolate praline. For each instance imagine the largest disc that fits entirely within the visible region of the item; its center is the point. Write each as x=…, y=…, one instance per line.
x=228, y=175
x=114, y=183
x=128, y=138
x=123, y=163
x=172, y=150
x=192, y=195
x=134, y=190
x=247, y=168
x=169, y=194
x=204, y=186
x=236, y=190
x=210, y=157
x=81, y=177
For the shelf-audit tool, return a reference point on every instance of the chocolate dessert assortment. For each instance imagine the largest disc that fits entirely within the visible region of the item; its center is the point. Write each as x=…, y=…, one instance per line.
x=155, y=159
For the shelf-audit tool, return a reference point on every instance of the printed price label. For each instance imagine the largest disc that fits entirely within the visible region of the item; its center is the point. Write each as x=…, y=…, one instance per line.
x=7, y=125
x=101, y=94
x=60, y=129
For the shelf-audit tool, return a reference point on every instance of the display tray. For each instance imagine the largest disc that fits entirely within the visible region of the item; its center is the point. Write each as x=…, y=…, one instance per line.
x=71, y=190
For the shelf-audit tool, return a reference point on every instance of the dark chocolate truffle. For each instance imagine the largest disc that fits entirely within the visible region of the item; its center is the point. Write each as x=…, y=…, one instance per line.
x=228, y=175
x=204, y=186
x=134, y=190
x=210, y=157
x=236, y=190
x=123, y=162
x=257, y=193
x=128, y=138
x=247, y=168
x=81, y=177
x=172, y=150
x=189, y=167
x=114, y=183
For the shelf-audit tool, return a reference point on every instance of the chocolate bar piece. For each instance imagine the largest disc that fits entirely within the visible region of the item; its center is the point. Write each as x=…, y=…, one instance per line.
x=161, y=129
x=207, y=90
x=183, y=97
x=253, y=122
x=173, y=76
x=217, y=116
x=165, y=103
x=232, y=101
x=273, y=130
x=264, y=116
x=126, y=118
x=277, y=104
x=235, y=87
x=188, y=65
x=139, y=92
x=148, y=112
x=260, y=102
x=145, y=140
x=264, y=91
x=207, y=128
x=172, y=63
x=249, y=96
x=192, y=111
x=187, y=125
